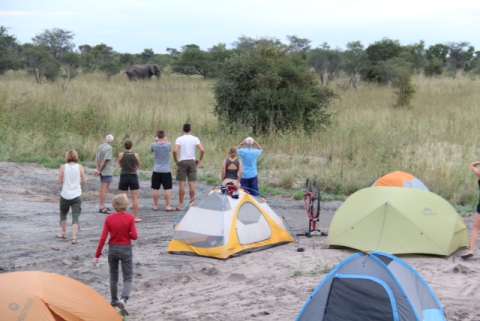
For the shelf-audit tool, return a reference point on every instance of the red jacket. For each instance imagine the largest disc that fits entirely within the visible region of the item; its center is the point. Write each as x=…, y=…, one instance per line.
x=121, y=227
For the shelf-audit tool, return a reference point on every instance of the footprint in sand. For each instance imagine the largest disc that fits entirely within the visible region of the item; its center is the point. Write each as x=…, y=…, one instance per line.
x=236, y=277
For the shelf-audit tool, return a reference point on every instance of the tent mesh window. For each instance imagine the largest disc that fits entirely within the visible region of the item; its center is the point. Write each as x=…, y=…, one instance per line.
x=252, y=226
x=216, y=202
x=205, y=229
x=358, y=300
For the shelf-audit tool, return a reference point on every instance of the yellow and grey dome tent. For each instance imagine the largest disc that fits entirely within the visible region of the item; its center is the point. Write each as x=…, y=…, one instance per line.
x=222, y=226
x=399, y=221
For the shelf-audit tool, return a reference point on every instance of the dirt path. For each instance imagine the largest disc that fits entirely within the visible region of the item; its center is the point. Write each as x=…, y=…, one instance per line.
x=267, y=285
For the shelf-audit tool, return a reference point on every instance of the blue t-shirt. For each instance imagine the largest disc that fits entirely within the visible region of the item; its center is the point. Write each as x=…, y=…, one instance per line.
x=249, y=157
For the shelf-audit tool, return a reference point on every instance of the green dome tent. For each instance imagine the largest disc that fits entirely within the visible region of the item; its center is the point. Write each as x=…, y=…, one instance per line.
x=398, y=221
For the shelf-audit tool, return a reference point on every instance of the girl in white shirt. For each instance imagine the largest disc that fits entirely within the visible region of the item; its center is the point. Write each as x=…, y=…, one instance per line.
x=71, y=176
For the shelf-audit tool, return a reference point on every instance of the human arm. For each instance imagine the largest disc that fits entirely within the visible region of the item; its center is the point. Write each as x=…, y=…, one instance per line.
x=83, y=177
x=176, y=152
x=103, y=239
x=202, y=153
x=61, y=174
x=138, y=161
x=119, y=160
x=223, y=172
x=240, y=169
x=257, y=145
x=475, y=169
x=133, y=231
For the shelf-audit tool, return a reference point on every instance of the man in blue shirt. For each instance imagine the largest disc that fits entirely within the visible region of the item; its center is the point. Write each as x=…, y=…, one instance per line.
x=249, y=151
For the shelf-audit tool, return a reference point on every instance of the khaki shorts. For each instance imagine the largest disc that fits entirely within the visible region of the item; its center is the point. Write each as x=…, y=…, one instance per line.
x=187, y=169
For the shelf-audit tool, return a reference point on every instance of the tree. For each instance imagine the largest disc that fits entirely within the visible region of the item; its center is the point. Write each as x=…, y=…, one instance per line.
x=460, y=55
x=244, y=44
x=8, y=51
x=147, y=55
x=102, y=58
x=354, y=59
x=57, y=41
x=400, y=71
x=39, y=62
x=266, y=89
x=326, y=62
x=217, y=55
x=71, y=62
x=436, y=58
x=298, y=45
x=192, y=61
x=415, y=55
x=377, y=54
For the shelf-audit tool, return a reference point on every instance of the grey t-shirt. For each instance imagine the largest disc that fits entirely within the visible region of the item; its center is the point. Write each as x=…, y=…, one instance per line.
x=162, y=157
x=105, y=152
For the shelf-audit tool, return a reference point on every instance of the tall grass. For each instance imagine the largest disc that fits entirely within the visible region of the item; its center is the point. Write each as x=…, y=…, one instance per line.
x=435, y=139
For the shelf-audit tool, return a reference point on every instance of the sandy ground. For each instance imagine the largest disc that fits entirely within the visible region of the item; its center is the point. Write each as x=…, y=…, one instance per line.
x=267, y=285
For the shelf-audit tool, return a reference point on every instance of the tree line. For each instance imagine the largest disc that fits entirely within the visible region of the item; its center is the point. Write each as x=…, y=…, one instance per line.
x=52, y=54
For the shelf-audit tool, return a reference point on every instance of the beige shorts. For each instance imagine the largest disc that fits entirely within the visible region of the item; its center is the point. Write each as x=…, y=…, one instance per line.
x=187, y=169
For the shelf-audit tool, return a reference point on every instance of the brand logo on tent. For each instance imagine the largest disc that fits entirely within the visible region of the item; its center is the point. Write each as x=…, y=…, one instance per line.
x=428, y=211
x=13, y=307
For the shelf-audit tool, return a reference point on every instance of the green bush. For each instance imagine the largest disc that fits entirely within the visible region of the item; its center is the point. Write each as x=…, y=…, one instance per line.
x=266, y=89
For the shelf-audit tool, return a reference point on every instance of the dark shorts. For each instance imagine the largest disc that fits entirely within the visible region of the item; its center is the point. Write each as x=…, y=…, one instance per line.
x=65, y=206
x=128, y=182
x=162, y=179
x=187, y=169
x=105, y=179
x=250, y=185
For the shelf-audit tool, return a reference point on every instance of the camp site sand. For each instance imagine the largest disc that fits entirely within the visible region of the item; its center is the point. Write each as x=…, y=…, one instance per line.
x=266, y=285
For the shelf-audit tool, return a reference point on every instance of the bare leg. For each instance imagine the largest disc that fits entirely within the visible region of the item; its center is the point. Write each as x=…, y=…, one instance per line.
x=156, y=198
x=104, y=187
x=135, y=202
x=74, y=231
x=181, y=193
x=192, y=189
x=168, y=199
x=63, y=226
x=474, y=236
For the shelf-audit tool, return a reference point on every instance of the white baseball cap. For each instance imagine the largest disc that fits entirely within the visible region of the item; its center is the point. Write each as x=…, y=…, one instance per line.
x=249, y=140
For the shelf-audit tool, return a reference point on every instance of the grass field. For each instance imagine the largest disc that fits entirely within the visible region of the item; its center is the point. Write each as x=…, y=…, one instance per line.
x=435, y=139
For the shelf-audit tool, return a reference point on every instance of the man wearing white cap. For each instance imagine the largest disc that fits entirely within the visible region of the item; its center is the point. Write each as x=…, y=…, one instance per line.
x=250, y=151
x=105, y=166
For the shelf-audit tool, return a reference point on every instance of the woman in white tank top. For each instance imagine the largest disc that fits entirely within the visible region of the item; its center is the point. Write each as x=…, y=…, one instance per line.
x=71, y=176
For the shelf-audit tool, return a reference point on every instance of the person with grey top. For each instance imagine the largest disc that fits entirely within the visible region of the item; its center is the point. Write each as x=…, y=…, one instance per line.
x=105, y=166
x=129, y=163
x=162, y=173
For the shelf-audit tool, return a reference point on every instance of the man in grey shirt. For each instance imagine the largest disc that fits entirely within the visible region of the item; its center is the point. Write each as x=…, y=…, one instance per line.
x=162, y=173
x=105, y=166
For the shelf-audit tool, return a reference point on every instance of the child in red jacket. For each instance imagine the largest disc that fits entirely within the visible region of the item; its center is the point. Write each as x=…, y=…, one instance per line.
x=121, y=228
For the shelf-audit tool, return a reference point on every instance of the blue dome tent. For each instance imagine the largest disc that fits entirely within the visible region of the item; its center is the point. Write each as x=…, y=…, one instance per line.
x=373, y=287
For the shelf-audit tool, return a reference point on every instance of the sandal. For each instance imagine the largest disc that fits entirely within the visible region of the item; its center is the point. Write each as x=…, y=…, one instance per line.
x=61, y=237
x=467, y=256
x=104, y=210
x=74, y=241
x=169, y=209
x=137, y=220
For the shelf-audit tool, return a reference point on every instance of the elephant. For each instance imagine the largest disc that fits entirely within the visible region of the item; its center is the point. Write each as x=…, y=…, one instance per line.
x=136, y=72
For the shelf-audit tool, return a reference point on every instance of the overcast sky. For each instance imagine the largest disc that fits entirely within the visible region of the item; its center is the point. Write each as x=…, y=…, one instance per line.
x=132, y=25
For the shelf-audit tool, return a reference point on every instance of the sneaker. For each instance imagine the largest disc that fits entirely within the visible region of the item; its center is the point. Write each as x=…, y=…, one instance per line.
x=121, y=306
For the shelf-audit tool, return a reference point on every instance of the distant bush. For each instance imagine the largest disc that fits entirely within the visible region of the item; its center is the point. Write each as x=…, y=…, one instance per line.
x=266, y=89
